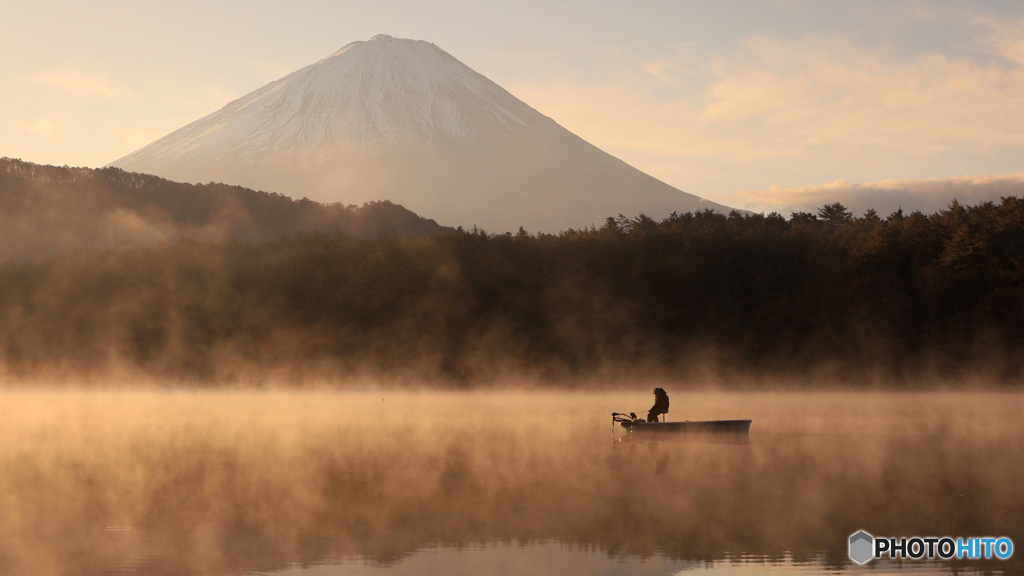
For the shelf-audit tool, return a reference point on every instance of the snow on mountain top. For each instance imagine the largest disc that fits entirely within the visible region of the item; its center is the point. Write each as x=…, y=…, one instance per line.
x=403, y=120
x=366, y=99
x=380, y=39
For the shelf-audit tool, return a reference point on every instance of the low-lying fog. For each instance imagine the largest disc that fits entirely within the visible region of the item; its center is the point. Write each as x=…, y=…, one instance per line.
x=233, y=482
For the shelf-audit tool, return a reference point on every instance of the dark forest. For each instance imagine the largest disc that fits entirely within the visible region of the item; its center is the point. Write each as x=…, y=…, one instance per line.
x=47, y=210
x=826, y=297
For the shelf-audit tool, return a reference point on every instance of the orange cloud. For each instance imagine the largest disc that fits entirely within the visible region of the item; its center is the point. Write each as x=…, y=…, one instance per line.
x=885, y=196
x=783, y=98
x=45, y=126
x=79, y=83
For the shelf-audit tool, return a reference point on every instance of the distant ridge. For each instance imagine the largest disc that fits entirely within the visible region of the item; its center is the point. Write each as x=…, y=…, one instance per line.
x=45, y=210
x=403, y=120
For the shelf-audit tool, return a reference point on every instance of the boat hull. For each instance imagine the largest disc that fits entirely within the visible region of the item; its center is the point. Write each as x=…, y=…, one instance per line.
x=700, y=428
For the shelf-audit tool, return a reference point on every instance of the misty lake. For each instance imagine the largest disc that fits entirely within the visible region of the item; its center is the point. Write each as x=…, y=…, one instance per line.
x=402, y=482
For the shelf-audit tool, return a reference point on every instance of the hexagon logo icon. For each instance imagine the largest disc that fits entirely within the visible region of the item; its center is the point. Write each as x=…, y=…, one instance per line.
x=861, y=547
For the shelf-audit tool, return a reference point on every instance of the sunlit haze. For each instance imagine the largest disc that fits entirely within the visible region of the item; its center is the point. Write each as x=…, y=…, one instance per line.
x=143, y=483
x=390, y=288
x=782, y=105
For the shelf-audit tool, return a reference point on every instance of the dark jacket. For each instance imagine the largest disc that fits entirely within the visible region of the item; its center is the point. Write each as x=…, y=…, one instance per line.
x=660, y=405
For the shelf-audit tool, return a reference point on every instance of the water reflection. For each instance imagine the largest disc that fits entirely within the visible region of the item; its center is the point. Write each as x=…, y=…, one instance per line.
x=163, y=483
x=514, y=559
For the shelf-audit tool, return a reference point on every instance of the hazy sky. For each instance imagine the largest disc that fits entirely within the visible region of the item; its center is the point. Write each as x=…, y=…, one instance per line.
x=767, y=105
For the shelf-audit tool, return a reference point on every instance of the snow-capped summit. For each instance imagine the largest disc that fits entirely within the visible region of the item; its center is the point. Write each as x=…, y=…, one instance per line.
x=369, y=98
x=405, y=121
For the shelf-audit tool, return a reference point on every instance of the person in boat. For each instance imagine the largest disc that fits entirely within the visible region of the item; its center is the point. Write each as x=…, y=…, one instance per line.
x=660, y=405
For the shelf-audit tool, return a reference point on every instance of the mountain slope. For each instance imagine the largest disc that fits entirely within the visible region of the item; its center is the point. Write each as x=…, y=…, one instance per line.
x=45, y=210
x=404, y=120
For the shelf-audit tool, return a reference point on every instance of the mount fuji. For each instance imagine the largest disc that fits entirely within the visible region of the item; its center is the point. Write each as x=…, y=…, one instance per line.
x=405, y=121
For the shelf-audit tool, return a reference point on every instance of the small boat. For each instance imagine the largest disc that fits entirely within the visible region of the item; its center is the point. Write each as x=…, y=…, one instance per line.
x=639, y=427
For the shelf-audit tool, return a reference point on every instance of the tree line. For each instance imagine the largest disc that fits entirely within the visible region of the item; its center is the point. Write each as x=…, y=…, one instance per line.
x=46, y=210
x=818, y=297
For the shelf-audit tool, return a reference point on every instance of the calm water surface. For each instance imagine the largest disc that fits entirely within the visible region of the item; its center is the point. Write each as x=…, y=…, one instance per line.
x=504, y=559
x=389, y=483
